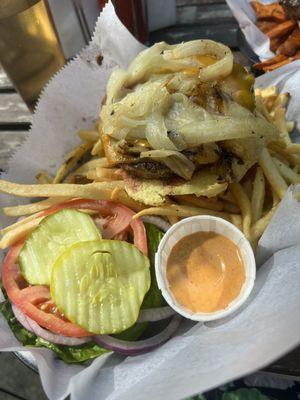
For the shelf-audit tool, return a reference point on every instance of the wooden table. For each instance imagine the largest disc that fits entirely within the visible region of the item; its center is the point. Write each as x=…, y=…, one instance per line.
x=205, y=19
x=15, y=119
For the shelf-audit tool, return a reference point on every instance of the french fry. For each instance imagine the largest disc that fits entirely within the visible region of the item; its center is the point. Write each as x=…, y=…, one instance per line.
x=268, y=97
x=120, y=195
x=293, y=148
x=296, y=193
x=19, y=232
x=227, y=196
x=280, y=122
x=236, y=220
x=92, y=164
x=231, y=208
x=43, y=177
x=272, y=174
x=293, y=159
x=85, y=168
x=95, y=190
x=270, y=91
x=243, y=202
x=180, y=211
x=258, y=195
x=71, y=160
x=297, y=169
x=278, y=142
x=32, y=208
x=290, y=125
x=248, y=187
x=262, y=108
x=269, y=102
x=280, y=157
x=97, y=149
x=104, y=174
x=90, y=136
x=282, y=100
x=18, y=223
x=287, y=173
x=260, y=226
x=276, y=199
x=173, y=220
x=199, y=202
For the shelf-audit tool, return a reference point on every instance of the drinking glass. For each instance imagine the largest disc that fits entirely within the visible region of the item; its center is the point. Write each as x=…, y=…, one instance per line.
x=30, y=51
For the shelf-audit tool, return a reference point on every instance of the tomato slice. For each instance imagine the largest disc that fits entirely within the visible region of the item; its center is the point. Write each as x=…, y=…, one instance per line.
x=35, y=301
x=117, y=219
x=30, y=298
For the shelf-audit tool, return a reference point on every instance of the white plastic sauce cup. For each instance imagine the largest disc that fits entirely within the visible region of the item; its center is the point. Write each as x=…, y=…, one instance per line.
x=204, y=223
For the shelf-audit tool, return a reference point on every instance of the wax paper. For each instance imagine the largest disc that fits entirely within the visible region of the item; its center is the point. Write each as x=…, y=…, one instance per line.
x=200, y=356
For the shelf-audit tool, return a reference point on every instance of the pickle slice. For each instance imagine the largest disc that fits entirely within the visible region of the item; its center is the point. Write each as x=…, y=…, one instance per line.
x=100, y=285
x=54, y=234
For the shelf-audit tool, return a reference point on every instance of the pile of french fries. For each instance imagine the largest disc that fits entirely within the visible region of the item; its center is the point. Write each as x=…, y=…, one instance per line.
x=283, y=32
x=248, y=204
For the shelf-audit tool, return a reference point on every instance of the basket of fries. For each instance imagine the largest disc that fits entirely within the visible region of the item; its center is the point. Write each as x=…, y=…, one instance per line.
x=120, y=152
x=271, y=29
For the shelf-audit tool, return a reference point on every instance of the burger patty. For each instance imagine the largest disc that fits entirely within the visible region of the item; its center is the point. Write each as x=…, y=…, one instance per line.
x=148, y=170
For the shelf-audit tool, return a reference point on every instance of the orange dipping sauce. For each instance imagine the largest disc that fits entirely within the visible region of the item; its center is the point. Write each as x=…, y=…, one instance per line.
x=205, y=272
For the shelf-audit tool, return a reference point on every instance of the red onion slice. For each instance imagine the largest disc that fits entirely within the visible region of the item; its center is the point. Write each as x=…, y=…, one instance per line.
x=21, y=318
x=157, y=221
x=34, y=327
x=155, y=314
x=142, y=346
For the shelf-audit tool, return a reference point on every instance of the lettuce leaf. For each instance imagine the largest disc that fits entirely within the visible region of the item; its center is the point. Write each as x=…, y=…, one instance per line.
x=153, y=297
x=244, y=394
x=74, y=354
x=88, y=351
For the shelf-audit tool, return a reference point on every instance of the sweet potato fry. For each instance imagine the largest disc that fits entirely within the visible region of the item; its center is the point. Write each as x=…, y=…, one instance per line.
x=266, y=26
x=277, y=41
x=291, y=45
x=284, y=62
x=277, y=65
x=273, y=12
x=282, y=29
x=272, y=61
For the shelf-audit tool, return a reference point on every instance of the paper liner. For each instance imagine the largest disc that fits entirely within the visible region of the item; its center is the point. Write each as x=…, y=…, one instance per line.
x=204, y=223
x=200, y=356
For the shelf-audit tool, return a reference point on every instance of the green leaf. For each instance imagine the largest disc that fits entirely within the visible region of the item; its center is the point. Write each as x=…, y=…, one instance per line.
x=69, y=354
x=197, y=397
x=244, y=394
x=154, y=297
